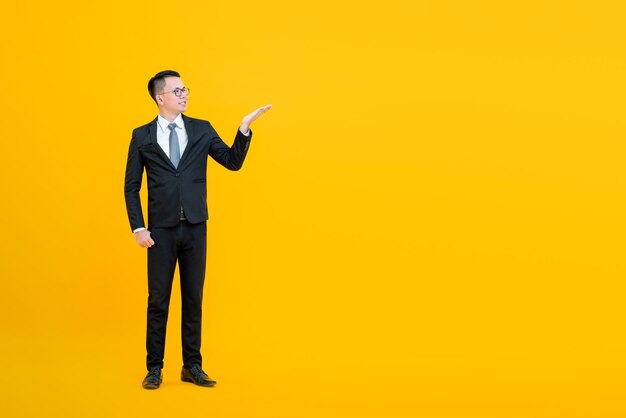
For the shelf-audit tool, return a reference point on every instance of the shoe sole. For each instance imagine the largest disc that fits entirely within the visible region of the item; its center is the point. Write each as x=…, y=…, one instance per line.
x=186, y=379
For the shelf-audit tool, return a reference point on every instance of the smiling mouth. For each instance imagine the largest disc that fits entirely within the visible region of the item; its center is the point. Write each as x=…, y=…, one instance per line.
x=183, y=103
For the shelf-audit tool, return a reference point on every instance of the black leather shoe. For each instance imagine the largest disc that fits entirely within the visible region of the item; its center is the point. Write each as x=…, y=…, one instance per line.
x=153, y=379
x=197, y=376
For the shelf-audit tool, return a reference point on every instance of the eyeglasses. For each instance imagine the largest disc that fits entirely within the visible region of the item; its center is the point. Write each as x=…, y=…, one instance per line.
x=178, y=92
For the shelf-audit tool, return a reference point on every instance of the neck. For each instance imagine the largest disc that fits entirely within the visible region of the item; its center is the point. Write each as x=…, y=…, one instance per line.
x=168, y=116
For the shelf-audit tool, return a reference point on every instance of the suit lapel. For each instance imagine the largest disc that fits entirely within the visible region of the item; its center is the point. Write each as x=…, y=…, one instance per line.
x=191, y=139
x=153, y=138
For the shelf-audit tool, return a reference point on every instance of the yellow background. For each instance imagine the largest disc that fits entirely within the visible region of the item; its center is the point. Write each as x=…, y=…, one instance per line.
x=430, y=221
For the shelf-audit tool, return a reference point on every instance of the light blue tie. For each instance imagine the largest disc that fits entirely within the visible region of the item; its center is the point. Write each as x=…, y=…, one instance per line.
x=174, y=147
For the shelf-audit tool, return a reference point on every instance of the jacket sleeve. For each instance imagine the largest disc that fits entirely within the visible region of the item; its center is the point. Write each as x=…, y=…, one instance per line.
x=230, y=157
x=132, y=185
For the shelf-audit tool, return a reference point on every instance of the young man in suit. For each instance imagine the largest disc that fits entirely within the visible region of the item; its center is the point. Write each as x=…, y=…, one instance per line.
x=173, y=149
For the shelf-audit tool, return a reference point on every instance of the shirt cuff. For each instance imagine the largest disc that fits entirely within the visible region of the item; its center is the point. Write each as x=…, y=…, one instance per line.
x=245, y=133
x=138, y=229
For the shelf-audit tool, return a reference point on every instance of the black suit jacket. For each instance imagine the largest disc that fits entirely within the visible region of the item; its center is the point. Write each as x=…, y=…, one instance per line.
x=168, y=187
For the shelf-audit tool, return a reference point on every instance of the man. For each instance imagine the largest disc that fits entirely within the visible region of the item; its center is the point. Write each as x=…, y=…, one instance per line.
x=173, y=149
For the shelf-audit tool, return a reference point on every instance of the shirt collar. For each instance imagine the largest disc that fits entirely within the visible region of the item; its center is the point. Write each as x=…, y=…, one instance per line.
x=163, y=123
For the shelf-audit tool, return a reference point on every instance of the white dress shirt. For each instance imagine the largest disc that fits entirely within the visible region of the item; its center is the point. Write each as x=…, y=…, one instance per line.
x=163, y=134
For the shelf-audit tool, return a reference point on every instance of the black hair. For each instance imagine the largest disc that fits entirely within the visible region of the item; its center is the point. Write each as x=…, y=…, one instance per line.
x=157, y=82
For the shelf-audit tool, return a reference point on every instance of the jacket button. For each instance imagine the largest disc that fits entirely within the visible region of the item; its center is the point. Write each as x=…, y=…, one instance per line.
x=177, y=174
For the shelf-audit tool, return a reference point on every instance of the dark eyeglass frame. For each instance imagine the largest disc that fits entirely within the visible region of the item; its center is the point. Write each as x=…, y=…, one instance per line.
x=177, y=92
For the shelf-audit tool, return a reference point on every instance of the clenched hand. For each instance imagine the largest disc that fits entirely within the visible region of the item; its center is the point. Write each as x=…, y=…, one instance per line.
x=144, y=239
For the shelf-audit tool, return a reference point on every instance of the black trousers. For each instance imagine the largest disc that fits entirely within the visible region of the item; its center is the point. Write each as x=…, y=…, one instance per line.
x=185, y=243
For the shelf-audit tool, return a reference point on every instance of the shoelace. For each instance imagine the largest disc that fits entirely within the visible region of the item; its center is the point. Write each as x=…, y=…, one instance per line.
x=154, y=372
x=198, y=373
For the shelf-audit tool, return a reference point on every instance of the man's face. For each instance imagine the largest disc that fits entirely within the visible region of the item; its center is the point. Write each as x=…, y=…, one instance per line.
x=167, y=99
